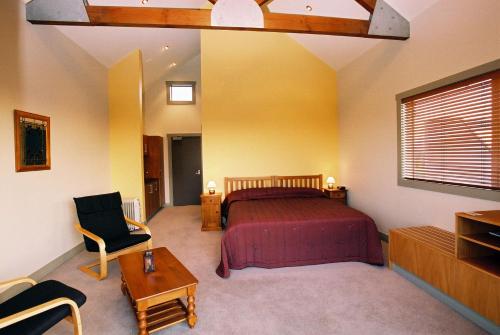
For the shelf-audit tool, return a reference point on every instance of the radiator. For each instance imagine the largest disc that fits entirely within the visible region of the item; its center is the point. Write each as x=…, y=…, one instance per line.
x=132, y=210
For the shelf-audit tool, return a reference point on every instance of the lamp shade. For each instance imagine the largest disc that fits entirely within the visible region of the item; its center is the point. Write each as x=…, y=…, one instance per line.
x=241, y=13
x=211, y=184
x=330, y=180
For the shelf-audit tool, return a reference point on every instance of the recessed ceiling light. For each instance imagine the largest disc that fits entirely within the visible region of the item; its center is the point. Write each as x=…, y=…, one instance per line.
x=144, y=2
x=309, y=8
x=172, y=65
x=164, y=48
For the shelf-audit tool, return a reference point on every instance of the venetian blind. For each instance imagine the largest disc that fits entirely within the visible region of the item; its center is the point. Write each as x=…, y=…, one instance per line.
x=451, y=135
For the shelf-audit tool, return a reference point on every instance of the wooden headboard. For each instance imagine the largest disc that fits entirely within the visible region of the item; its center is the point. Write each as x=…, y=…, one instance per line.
x=242, y=183
x=312, y=181
x=232, y=184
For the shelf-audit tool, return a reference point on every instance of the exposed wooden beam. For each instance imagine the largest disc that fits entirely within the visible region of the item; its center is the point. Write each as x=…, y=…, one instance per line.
x=259, y=2
x=149, y=17
x=369, y=5
x=201, y=19
x=309, y=24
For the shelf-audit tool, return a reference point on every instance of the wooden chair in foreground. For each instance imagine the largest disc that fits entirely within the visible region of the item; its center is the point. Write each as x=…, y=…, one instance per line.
x=40, y=307
x=104, y=229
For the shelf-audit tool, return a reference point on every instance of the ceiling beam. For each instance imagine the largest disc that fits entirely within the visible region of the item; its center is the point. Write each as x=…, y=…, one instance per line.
x=201, y=19
x=369, y=5
x=259, y=2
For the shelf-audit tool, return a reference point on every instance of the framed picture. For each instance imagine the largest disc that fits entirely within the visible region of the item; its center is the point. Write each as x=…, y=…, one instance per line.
x=32, y=141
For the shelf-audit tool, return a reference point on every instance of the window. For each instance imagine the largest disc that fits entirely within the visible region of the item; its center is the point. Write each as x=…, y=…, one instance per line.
x=449, y=135
x=181, y=92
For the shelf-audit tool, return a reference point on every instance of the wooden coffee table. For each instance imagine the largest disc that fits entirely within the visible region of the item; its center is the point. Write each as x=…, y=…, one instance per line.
x=156, y=296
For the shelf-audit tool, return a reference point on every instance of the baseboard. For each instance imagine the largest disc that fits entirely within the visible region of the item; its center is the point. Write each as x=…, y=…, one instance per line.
x=43, y=271
x=465, y=311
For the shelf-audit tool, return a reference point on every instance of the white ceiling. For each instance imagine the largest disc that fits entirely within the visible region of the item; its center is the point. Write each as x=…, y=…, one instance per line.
x=109, y=44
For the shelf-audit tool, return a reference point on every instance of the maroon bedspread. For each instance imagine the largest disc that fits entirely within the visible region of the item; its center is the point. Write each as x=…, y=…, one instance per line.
x=278, y=227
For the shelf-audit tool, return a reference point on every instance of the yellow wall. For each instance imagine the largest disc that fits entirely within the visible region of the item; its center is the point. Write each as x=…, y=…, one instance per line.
x=126, y=127
x=268, y=107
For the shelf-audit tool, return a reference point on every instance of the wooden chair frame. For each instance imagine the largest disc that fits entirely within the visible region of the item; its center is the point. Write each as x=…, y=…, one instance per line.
x=75, y=318
x=104, y=257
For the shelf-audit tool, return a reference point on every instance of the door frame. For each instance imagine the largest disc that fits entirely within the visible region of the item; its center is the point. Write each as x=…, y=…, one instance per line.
x=170, y=175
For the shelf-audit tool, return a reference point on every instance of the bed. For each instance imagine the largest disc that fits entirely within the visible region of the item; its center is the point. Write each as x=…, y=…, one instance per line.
x=281, y=221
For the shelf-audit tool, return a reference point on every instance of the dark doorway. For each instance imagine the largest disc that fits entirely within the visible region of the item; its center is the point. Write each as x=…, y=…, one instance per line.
x=186, y=169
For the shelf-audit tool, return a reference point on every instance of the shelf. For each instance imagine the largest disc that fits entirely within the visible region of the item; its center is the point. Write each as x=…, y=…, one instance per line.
x=489, y=217
x=484, y=239
x=490, y=264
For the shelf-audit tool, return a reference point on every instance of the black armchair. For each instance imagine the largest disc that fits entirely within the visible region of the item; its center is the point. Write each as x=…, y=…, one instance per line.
x=40, y=307
x=104, y=229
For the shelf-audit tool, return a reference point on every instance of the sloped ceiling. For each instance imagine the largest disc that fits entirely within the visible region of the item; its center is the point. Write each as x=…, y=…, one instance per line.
x=109, y=44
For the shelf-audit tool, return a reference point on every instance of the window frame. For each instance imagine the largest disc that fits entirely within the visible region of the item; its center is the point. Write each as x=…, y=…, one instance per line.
x=170, y=84
x=467, y=191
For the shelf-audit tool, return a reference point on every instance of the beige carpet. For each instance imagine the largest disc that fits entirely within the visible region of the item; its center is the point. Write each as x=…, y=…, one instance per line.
x=341, y=298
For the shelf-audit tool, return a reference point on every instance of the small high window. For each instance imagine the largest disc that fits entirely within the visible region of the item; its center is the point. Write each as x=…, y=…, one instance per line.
x=181, y=92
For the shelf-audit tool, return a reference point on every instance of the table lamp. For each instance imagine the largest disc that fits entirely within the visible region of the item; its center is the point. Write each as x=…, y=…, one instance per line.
x=330, y=181
x=211, y=186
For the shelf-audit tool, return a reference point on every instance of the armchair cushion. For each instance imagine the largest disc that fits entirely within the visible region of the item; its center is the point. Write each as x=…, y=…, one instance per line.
x=36, y=295
x=103, y=216
x=122, y=243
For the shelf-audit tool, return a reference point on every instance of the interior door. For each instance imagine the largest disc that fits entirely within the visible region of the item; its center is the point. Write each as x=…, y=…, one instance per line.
x=186, y=170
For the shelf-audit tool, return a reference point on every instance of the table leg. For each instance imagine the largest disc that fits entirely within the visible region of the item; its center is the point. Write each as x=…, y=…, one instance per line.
x=191, y=318
x=141, y=318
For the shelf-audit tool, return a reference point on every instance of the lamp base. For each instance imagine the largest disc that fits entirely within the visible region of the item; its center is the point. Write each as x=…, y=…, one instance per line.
x=211, y=191
x=330, y=186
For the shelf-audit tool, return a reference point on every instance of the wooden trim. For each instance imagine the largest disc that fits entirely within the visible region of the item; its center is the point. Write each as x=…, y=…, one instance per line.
x=76, y=320
x=18, y=114
x=201, y=19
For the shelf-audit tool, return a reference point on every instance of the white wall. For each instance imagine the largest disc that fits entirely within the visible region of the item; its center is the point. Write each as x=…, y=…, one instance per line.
x=161, y=119
x=45, y=73
x=450, y=37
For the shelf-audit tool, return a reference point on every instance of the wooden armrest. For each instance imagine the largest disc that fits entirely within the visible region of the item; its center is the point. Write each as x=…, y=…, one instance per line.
x=9, y=320
x=92, y=236
x=140, y=225
x=12, y=282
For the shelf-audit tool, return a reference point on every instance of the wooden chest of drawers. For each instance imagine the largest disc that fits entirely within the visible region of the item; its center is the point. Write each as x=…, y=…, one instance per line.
x=210, y=211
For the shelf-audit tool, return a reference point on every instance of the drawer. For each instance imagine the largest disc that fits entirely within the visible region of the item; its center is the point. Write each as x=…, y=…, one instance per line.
x=210, y=200
x=337, y=195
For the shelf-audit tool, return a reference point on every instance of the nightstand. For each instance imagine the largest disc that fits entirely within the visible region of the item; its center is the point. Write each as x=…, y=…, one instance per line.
x=210, y=211
x=336, y=194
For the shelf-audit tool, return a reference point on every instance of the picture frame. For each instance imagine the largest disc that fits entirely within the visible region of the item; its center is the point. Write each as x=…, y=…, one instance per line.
x=32, y=141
